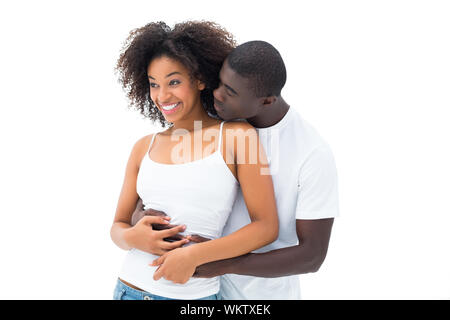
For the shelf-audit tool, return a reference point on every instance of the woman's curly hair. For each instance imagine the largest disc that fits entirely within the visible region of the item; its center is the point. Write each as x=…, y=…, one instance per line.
x=201, y=46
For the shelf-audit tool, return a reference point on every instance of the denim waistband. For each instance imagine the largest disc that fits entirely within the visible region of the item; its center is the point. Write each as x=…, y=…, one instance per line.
x=124, y=292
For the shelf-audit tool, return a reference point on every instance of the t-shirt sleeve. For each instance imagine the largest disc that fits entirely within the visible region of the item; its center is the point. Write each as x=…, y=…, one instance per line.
x=317, y=196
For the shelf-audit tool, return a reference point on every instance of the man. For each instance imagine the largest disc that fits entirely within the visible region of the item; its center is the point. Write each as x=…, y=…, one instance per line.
x=303, y=173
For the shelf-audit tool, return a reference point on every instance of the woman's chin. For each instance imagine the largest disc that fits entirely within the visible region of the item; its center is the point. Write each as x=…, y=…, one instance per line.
x=173, y=115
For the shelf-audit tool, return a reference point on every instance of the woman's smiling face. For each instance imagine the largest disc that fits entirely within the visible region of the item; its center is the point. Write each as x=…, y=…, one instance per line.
x=172, y=89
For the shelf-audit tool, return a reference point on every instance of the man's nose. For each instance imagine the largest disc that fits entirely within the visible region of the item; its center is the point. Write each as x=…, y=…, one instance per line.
x=217, y=94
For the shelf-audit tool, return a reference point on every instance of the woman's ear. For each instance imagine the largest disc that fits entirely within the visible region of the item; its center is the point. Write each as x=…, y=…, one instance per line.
x=200, y=85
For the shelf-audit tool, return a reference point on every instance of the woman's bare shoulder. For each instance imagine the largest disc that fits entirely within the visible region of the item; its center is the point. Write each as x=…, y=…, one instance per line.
x=143, y=141
x=239, y=127
x=140, y=148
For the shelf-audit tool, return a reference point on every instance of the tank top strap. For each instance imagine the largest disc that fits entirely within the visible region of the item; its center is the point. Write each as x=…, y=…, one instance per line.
x=220, y=137
x=151, y=143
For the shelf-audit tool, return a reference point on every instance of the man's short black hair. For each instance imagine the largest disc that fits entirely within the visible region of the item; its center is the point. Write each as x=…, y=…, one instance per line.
x=260, y=62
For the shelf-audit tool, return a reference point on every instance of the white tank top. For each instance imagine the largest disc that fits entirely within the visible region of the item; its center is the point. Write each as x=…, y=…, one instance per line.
x=199, y=194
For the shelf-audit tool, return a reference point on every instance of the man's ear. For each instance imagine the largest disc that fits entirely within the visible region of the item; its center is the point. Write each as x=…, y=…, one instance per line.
x=267, y=101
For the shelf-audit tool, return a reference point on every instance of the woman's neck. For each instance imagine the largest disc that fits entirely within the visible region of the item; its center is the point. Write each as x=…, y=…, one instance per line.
x=193, y=122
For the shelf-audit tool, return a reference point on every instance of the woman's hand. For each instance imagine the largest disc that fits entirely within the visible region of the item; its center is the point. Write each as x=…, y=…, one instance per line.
x=143, y=236
x=177, y=265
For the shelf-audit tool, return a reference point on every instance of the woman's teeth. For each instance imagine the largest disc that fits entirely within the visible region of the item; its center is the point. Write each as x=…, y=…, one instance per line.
x=170, y=107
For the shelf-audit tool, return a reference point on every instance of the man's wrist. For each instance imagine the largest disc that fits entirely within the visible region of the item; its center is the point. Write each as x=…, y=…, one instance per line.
x=233, y=265
x=226, y=266
x=229, y=266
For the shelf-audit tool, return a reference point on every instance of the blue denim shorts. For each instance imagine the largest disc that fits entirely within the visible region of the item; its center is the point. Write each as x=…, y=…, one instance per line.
x=124, y=292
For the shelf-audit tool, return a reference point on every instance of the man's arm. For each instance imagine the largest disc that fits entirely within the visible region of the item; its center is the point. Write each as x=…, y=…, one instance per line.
x=306, y=257
x=140, y=212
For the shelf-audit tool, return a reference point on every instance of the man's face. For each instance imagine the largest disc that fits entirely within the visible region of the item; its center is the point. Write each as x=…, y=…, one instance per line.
x=234, y=99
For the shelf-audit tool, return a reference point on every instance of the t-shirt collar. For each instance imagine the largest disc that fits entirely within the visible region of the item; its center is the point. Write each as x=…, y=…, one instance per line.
x=280, y=124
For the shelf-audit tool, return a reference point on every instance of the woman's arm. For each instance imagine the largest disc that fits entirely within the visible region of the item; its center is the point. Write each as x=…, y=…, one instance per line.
x=257, y=189
x=141, y=236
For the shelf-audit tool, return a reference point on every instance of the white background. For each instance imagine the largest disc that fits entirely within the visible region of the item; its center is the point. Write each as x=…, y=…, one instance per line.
x=373, y=77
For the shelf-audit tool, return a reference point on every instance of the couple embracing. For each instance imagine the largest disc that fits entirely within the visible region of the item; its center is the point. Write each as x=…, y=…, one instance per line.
x=237, y=195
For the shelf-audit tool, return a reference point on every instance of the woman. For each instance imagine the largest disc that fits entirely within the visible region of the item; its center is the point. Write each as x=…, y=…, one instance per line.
x=170, y=75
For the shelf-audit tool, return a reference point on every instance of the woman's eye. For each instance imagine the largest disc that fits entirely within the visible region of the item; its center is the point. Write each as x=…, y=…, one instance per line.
x=174, y=82
x=153, y=85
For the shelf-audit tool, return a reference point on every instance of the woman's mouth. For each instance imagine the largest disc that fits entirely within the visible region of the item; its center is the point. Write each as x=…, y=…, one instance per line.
x=170, y=108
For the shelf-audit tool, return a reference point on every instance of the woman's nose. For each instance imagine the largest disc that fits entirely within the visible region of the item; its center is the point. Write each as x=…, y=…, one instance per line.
x=163, y=95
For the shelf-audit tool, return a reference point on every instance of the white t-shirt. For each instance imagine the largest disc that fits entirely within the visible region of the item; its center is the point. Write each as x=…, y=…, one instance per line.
x=305, y=183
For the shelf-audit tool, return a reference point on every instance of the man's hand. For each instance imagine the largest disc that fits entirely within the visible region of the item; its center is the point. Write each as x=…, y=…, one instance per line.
x=143, y=237
x=139, y=213
x=156, y=225
x=196, y=238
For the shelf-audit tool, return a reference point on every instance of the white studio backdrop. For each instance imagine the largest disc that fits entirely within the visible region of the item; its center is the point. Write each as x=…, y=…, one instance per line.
x=373, y=77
